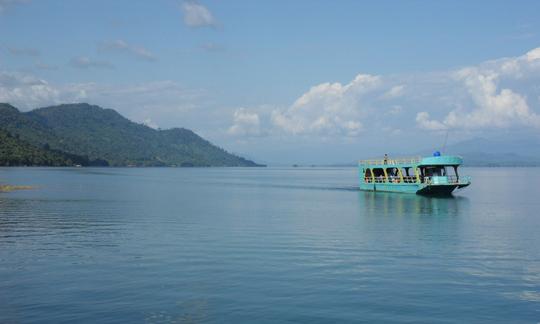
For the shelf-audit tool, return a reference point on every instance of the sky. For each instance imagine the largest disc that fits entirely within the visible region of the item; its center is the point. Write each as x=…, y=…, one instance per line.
x=309, y=82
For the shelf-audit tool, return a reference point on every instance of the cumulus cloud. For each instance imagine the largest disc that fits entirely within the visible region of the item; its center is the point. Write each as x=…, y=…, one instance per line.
x=328, y=108
x=423, y=120
x=533, y=55
x=395, y=91
x=124, y=47
x=26, y=90
x=83, y=62
x=197, y=15
x=245, y=123
x=491, y=105
x=496, y=94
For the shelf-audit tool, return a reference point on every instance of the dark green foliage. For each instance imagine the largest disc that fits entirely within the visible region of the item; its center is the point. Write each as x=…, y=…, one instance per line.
x=106, y=137
x=15, y=152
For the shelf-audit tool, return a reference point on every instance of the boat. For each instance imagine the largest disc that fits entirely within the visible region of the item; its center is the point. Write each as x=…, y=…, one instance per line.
x=433, y=175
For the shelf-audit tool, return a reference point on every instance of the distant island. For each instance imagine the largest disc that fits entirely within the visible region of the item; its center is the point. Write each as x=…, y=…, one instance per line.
x=88, y=135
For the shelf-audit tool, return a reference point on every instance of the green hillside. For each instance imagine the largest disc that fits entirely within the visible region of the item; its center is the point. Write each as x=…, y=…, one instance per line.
x=106, y=137
x=15, y=152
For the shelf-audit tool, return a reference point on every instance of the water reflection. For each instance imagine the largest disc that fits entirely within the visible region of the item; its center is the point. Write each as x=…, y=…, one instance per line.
x=398, y=204
x=178, y=245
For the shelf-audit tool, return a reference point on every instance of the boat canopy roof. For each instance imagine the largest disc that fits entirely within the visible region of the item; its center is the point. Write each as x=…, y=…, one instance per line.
x=442, y=160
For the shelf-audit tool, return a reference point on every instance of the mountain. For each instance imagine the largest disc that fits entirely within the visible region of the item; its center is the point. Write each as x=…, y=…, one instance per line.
x=496, y=152
x=104, y=137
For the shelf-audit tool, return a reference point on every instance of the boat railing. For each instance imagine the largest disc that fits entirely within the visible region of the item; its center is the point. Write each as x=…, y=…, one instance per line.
x=391, y=179
x=450, y=179
x=408, y=160
x=409, y=179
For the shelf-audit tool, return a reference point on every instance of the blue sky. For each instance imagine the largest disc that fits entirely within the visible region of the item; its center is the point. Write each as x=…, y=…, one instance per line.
x=284, y=81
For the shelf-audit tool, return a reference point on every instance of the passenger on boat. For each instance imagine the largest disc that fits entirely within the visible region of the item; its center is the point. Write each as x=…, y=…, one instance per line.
x=385, y=158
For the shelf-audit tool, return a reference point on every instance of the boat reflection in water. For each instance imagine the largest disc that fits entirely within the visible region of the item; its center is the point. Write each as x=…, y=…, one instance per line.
x=392, y=223
x=388, y=204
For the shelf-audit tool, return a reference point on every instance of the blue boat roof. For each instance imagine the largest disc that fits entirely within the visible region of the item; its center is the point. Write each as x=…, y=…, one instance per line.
x=442, y=160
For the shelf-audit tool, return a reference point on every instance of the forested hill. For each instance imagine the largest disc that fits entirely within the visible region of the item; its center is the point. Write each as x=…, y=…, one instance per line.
x=104, y=137
x=16, y=152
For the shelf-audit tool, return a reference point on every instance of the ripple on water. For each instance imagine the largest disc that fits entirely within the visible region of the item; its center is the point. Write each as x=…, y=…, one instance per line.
x=273, y=245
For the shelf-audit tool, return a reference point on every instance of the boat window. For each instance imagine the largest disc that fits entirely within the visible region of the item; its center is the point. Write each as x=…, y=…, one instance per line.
x=393, y=175
x=435, y=171
x=405, y=172
x=367, y=175
x=392, y=172
x=379, y=175
x=408, y=175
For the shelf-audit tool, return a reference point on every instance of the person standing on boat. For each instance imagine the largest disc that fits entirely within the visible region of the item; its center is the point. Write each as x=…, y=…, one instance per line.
x=385, y=158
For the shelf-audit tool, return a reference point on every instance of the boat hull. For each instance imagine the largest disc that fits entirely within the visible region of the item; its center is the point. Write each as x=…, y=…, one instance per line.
x=437, y=190
x=417, y=188
x=391, y=187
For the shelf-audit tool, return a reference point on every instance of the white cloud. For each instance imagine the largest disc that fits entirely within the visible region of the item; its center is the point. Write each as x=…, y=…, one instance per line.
x=328, y=108
x=491, y=95
x=491, y=105
x=197, y=15
x=26, y=90
x=533, y=55
x=83, y=62
x=423, y=120
x=122, y=46
x=245, y=123
x=395, y=91
x=494, y=95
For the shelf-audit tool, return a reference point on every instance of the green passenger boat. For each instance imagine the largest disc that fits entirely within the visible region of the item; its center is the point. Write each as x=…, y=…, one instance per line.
x=434, y=175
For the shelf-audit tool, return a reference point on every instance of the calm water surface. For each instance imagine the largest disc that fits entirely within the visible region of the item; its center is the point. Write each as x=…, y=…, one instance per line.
x=265, y=245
